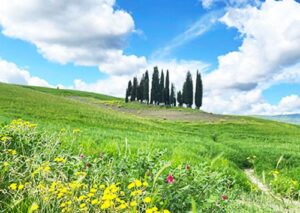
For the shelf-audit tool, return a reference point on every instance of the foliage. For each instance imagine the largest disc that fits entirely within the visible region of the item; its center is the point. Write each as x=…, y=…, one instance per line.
x=199, y=91
x=187, y=91
x=38, y=174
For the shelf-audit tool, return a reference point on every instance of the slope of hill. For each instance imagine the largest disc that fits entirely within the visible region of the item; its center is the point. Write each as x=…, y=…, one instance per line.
x=291, y=118
x=188, y=136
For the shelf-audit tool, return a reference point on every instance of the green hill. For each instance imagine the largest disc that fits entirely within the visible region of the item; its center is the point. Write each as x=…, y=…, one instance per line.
x=188, y=136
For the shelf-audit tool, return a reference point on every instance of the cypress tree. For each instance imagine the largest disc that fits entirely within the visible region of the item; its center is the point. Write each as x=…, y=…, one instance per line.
x=134, y=89
x=155, y=87
x=199, y=91
x=146, y=87
x=129, y=89
x=141, y=89
x=188, y=90
x=172, y=98
x=167, y=90
x=179, y=99
x=162, y=88
x=126, y=97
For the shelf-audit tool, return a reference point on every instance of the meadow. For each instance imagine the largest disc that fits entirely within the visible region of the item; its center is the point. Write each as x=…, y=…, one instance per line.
x=132, y=144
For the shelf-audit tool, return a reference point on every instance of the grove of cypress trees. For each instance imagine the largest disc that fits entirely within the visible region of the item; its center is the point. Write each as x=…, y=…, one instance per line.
x=134, y=89
x=155, y=87
x=146, y=87
x=179, y=99
x=162, y=88
x=188, y=90
x=167, y=90
x=199, y=91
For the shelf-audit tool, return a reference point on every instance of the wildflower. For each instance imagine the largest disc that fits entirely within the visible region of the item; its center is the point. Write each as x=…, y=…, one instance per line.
x=13, y=186
x=95, y=201
x=145, y=184
x=147, y=199
x=224, y=197
x=81, y=156
x=5, y=164
x=33, y=207
x=82, y=197
x=137, y=192
x=82, y=205
x=122, y=193
x=106, y=204
x=102, y=186
x=20, y=187
x=93, y=190
x=59, y=160
x=133, y=203
x=75, y=131
x=166, y=211
x=170, y=179
x=187, y=167
x=122, y=206
x=131, y=185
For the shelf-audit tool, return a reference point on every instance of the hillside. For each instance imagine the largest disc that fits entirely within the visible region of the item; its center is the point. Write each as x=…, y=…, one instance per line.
x=291, y=118
x=188, y=136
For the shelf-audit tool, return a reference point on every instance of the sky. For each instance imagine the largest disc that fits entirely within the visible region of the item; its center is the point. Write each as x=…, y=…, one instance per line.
x=248, y=52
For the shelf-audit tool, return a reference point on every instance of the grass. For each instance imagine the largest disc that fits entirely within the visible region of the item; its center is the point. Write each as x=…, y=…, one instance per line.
x=231, y=138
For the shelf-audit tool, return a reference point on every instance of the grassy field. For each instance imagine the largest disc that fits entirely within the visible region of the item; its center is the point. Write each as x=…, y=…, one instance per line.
x=107, y=125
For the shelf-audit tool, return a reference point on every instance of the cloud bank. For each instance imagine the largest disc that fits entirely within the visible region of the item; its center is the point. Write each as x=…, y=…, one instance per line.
x=89, y=32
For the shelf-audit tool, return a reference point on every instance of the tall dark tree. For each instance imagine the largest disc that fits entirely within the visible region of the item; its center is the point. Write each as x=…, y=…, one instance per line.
x=155, y=87
x=127, y=95
x=128, y=90
x=179, y=99
x=162, y=88
x=188, y=90
x=172, y=98
x=134, y=89
x=140, y=90
x=199, y=91
x=146, y=87
x=167, y=90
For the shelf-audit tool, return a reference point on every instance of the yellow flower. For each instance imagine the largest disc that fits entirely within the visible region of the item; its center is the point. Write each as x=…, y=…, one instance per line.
x=82, y=205
x=133, y=203
x=90, y=194
x=122, y=193
x=131, y=185
x=34, y=207
x=137, y=192
x=13, y=186
x=122, y=206
x=138, y=183
x=20, y=187
x=93, y=190
x=75, y=131
x=46, y=168
x=145, y=184
x=166, y=211
x=106, y=204
x=102, y=186
x=5, y=164
x=147, y=199
x=95, y=201
x=82, y=197
x=59, y=160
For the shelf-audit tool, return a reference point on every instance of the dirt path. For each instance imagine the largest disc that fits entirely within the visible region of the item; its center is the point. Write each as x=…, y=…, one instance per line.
x=157, y=112
x=281, y=204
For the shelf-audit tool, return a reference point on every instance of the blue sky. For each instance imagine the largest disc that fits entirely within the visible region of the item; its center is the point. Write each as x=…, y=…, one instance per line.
x=127, y=37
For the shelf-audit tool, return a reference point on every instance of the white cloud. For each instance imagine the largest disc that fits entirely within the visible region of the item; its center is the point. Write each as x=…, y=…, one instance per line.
x=269, y=54
x=10, y=73
x=87, y=32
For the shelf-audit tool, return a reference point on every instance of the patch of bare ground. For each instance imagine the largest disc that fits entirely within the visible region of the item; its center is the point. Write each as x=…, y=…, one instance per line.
x=158, y=112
